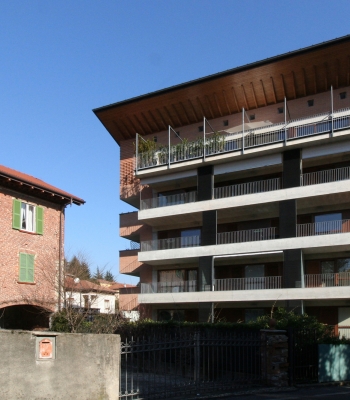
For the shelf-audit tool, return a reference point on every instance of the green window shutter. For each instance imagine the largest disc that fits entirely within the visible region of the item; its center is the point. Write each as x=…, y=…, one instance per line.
x=26, y=267
x=39, y=212
x=16, y=214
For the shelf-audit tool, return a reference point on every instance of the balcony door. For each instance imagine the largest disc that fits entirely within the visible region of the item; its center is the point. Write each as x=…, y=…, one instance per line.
x=254, y=277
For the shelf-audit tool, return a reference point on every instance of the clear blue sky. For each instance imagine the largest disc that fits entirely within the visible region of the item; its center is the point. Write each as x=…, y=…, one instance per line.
x=60, y=59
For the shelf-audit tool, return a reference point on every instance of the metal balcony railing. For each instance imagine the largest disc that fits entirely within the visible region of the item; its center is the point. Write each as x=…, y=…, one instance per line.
x=228, y=142
x=242, y=189
x=172, y=243
x=169, y=287
x=323, y=228
x=327, y=280
x=250, y=235
x=329, y=175
x=268, y=282
x=171, y=200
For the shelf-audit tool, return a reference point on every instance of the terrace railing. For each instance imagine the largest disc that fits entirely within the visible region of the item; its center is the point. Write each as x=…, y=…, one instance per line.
x=242, y=189
x=327, y=280
x=329, y=175
x=171, y=200
x=228, y=142
x=172, y=243
x=250, y=235
x=169, y=287
x=268, y=282
x=323, y=228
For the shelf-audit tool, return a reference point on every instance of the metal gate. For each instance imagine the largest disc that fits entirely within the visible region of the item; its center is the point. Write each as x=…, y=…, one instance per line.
x=189, y=363
x=303, y=355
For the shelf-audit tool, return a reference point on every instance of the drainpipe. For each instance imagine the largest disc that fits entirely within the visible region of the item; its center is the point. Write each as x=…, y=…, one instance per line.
x=60, y=245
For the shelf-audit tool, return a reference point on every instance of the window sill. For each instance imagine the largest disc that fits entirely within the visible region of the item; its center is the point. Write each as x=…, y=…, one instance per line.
x=26, y=283
x=31, y=233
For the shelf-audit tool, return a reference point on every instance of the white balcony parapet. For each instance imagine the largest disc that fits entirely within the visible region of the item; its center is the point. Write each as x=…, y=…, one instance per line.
x=327, y=280
x=268, y=282
x=223, y=142
x=329, y=175
x=171, y=200
x=241, y=189
x=250, y=235
x=323, y=228
x=172, y=243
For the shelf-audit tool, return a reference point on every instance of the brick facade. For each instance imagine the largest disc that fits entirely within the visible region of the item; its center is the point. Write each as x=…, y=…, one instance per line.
x=45, y=248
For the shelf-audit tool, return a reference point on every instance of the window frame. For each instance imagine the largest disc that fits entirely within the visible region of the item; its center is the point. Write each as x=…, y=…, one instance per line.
x=21, y=209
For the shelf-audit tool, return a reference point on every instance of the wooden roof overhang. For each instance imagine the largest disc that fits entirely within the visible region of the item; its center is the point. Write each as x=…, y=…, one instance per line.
x=300, y=73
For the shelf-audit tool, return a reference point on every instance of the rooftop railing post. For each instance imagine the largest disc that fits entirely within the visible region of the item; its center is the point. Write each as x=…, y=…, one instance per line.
x=169, y=146
x=137, y=152
x=243, y=130
x=332, y=109
x=285, y=121
x=204, y=119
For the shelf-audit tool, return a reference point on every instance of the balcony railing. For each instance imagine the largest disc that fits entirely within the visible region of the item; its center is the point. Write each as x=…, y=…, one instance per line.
x=171, y=200
x=323, y=228
x=228, y=142
x=268, y=282
x=242, y=189
x=330, y=175
x=327, y=280
x=250, y=235
x=169, y=287
x=172, y=243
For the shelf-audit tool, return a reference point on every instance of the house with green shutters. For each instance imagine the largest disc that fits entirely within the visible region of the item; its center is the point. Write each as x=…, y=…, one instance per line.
x=32, y=217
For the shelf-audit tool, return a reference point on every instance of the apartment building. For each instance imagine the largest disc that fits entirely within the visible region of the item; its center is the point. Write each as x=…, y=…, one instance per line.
x=32, y=219
x=241, y=181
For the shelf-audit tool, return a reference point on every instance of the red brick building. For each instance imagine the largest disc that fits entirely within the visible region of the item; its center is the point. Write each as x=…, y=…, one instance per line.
x=31, y=248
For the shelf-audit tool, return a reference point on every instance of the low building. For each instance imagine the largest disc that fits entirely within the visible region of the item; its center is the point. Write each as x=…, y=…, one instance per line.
x=32, y=218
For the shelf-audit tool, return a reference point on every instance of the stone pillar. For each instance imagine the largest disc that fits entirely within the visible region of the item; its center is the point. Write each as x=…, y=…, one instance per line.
x=274, y=357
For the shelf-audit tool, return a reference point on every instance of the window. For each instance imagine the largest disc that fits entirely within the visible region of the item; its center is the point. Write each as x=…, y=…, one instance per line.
x=27, y=217
x=26, y=267
x=342, y=95
x=280, y=110
x=225, y=122
x=328, y=223
x=200, y=128
x=310, y=103
x=107, y=305
x=252, y=117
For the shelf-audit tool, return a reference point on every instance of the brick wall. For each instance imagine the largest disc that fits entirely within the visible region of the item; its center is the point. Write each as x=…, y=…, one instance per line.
x=45, y=248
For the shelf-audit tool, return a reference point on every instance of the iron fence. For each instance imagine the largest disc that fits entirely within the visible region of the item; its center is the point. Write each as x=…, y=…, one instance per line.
x=171, y=200
x=242, y=189
x=189, y=363
x=268, y=282
x=323, y=228
x=327, y=280
x=172, y=243
x=250, y=235
x=330, y=175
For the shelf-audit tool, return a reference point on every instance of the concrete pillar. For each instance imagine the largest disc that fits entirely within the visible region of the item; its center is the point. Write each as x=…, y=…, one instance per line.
x=291, y=168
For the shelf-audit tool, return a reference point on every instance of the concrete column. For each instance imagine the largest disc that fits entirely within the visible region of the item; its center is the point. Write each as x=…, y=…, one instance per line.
x=291, y=168
x=205, y=312
x=292, y=276
x=288, y=218
x=205, y=273
x=205, y=182
x=209, y=228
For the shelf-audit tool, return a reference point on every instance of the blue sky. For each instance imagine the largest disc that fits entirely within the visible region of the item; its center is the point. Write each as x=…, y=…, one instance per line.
x=61, y=59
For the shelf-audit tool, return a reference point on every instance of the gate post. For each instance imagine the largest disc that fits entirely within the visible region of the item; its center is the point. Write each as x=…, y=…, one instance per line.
x=291, y=354
x=274, y=357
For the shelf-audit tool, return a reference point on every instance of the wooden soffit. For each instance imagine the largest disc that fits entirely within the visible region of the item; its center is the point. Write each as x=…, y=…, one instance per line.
x=301, y=73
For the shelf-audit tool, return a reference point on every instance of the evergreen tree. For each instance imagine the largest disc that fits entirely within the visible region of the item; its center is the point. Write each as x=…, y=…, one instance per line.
x=78, y=267
x=109, y=276
x=98, y=274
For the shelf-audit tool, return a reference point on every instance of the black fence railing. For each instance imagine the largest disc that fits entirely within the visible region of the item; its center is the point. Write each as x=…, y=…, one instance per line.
x=189, y=363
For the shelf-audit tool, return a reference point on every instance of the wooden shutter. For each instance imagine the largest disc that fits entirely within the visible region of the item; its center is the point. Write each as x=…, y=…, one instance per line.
x=26, y=267
x=16, y=214
x=39, y=212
